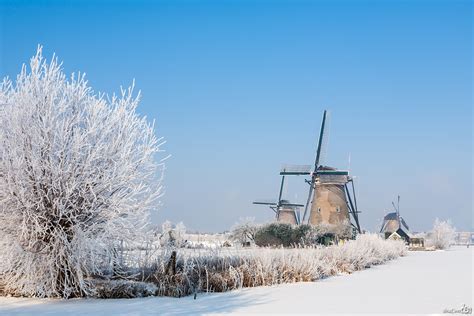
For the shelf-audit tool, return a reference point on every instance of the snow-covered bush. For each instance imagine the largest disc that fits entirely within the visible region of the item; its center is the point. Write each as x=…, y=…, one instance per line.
x=244, y=231
x=343, y=230
x=77, y=174
x=276, y=234
x=283, y=234
x=442, y=235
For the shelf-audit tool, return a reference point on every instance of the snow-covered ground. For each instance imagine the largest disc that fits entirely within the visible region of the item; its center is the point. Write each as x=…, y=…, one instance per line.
x=420, y=283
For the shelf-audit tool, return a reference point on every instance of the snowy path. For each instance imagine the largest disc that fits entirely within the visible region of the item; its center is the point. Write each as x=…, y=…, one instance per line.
x=421, y=283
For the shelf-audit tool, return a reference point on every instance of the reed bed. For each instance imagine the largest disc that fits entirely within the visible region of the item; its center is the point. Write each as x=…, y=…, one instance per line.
x=190, y=271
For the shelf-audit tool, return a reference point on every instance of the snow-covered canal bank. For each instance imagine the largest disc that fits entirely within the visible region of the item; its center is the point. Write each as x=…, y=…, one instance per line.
x=420, y=283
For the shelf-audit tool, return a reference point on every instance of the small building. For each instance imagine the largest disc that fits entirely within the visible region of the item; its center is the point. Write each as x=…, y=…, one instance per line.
x=417, y=243
x=464, y=238
x=394, y=236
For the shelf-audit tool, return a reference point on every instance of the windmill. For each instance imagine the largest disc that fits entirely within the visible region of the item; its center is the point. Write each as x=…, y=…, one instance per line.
x=332, y=200
x=285, y=211
x=394, y=223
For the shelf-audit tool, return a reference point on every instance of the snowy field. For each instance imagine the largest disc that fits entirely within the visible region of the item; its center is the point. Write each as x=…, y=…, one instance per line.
x=420, y=283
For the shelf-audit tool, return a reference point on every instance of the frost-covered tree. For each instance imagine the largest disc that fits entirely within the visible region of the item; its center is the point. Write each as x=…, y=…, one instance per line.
x=442, y=235
x=78, y=174
x=244, y=231
x=180, y=230
x=172, y=236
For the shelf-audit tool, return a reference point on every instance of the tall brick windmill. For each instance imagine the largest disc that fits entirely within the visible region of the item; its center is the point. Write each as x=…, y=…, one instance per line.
x=329, y=195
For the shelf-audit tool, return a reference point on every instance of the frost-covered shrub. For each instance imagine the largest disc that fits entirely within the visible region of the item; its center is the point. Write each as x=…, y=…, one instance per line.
x=77, y=174
x=244, y=231
x=282, y=234
x=275, y=234
x=344, y=230
x=442, y=235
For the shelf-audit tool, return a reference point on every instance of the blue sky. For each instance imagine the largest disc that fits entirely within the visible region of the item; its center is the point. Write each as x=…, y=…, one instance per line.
x=238, y=88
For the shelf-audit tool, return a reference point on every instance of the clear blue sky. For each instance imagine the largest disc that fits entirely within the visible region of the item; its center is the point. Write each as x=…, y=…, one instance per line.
x=238, y=88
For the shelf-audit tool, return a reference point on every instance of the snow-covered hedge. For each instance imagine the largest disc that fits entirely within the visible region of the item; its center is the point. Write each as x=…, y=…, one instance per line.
x=219, y=271
x=287, y=235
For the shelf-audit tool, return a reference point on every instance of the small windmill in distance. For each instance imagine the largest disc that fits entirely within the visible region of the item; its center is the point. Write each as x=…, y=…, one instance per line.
x=394, y=223
x=285, y=211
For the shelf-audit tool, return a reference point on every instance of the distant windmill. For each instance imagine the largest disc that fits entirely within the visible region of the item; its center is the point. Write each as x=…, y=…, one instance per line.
x=285, y=211
x=394, y=223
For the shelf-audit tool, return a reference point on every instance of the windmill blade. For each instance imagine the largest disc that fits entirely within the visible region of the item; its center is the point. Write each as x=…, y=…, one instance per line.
x=352, y=210
x=398, y=205
x=354, y=195
x=311, y=184
x=320, y=141
x=292, y=204
x=265, y=203
x=295, y=170
x=316, y=164
x=382, y=221
x=281, y=189
x=323, y=156
x=394, y=207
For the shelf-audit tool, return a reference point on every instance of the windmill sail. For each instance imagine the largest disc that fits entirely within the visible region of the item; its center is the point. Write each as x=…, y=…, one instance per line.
x=295, y=170
x=316, y=164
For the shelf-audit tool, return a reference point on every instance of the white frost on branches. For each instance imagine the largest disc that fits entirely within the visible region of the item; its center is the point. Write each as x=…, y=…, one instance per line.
x=172, y=237
x=244, y=231
x=442, y=236
x=77, y=174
